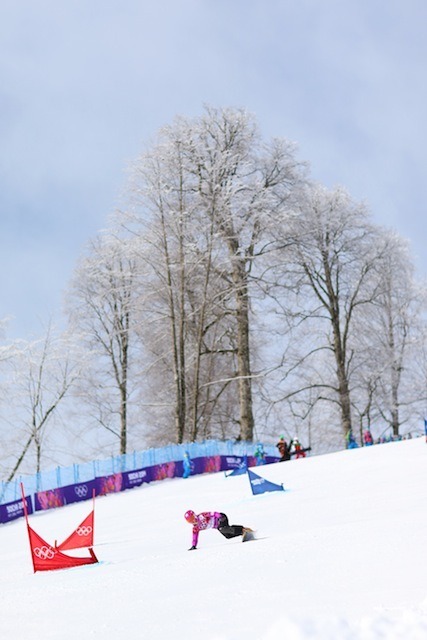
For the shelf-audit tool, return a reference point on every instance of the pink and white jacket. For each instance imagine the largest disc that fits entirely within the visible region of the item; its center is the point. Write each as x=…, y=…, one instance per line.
x=205, y=520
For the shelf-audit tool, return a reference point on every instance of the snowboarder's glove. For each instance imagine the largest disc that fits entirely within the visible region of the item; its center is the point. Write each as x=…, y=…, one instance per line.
x=193, y=548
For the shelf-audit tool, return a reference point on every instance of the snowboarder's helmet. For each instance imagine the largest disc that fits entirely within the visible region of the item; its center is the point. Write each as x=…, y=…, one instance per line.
x=190, y=516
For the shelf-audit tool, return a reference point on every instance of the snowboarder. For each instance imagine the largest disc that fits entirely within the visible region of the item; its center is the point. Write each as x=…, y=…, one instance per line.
x=284, y=449
x=214, y=520
x=298, y=450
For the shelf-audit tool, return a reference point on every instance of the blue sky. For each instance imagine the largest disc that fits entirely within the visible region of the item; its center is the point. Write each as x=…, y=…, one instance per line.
x=84, y=85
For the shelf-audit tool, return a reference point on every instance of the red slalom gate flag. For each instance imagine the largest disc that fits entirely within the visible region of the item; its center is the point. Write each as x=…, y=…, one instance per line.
x=84, y=534
x=81, y=537
x=48, y=558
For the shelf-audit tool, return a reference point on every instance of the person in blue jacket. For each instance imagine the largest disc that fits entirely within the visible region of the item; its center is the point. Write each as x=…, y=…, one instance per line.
x=259, y=454
x=351, y=442
x=186, y=463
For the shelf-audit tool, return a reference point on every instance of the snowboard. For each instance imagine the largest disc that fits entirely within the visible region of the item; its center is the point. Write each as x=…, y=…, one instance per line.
x=294, y=453
x=248, y=535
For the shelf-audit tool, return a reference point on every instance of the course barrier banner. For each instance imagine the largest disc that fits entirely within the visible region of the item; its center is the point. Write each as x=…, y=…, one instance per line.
x=44, y=500
x=79, y=492
x=15, y=509
x=109, y=484
x=129, y=479
x=136, y=478
x=49, y=499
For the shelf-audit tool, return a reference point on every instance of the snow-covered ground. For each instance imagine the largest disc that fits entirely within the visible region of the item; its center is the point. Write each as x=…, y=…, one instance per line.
x=341, y=554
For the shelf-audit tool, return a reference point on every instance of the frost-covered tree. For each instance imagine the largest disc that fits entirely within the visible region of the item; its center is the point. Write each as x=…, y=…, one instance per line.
x=43, y=373
x=102, y=305
x=330, y=255
x=205, y=197
x=392, y=331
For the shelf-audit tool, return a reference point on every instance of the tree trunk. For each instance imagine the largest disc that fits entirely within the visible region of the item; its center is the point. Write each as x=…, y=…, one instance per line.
x=20, y=459
x=344, y=397
x=340, y=359
x=243, y=352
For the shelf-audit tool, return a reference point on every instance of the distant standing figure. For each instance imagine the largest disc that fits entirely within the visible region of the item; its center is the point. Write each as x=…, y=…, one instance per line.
x=284, y=449
x=367, y=438
x=299, y=451
x=186, y=463
x=351, y=442
x=259, y=454
x=213, y=520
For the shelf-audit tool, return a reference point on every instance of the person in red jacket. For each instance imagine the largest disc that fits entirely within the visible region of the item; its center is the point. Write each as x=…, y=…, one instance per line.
x=298, y=450
x=213, y=520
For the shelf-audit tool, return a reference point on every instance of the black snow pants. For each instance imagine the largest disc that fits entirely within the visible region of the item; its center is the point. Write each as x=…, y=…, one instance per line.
x=229, y=530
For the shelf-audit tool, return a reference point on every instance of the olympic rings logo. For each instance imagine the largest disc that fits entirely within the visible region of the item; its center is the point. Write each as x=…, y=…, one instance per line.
x=81, y=490
x=44, y=553
x=84, y=531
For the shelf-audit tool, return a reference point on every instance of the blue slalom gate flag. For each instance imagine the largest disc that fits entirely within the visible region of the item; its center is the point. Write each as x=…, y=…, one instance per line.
x=242, y=468
x=261, y=485
x=425, y=427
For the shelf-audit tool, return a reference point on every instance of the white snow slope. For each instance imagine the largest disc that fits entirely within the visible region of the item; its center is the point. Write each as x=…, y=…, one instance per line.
x=341, y=554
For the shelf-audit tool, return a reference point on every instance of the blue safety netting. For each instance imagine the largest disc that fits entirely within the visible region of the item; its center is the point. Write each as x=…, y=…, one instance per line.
x=83, y=472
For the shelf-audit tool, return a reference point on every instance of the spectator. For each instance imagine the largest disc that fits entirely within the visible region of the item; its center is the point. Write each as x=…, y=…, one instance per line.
x=298, y=450
x=367, y=438
x=351, y=442
x=284, y=449
x=186, y=463
x=259, y=454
